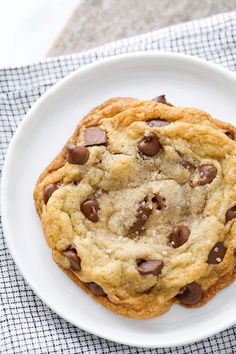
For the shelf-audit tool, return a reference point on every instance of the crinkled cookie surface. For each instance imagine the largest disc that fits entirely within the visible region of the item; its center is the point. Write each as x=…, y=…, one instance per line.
x=139, y=207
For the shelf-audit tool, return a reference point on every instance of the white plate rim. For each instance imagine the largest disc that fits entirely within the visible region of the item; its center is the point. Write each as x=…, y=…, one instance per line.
x=30, y=114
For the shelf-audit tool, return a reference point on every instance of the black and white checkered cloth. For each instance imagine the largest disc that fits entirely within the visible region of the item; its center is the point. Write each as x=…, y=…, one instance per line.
x=27, y=325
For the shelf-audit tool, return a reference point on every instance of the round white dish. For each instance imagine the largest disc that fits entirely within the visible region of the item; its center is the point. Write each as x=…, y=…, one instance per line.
x=187, y=81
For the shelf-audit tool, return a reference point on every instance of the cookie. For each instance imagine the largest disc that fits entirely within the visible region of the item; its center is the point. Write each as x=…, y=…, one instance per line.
x=139, y=207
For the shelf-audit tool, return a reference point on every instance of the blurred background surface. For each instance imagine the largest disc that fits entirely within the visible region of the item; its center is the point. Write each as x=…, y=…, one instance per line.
x=33, y=29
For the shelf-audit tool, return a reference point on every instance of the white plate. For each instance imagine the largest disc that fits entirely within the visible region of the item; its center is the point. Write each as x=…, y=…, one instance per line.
x=186, y=81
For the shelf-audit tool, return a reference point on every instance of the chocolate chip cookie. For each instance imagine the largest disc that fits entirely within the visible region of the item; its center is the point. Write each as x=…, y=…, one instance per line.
x=139, y=208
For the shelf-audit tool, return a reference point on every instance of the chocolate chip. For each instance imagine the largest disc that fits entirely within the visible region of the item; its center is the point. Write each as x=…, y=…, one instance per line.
x=48, y=191
x=230, y=134
x=162, y=99
x=96, y=289
x=230, y=214
x=77, y=154
x=186, y=164
x=179, y=153
x=217, y=253
x=179, y=236
x=153, y=267
x=157, y=123
x=90, y=209
x=142, y=214
x=159, y=201
x=150, y=145
x=192, y=293
x=74, y=259
x=207, y=174
x=95, y=136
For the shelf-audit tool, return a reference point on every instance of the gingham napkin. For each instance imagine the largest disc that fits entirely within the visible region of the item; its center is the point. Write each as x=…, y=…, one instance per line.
x=27, y=325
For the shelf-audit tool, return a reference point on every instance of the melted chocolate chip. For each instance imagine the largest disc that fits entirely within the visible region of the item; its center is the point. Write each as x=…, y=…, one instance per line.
x=162, y=99
x=96, y=289
x=217, y=253
x=74, y=259
x=179, y=153
x=179, y=236
x=77, y=154
x=186, y=164
x=95, y=136
x=141, y=217
x=150, y=145
x=192, y=294
x=157, y=122
x=90, y=209
x=159, y=201
x=48, y=191
x=207, y=173
x=230, y=214
x=153, y=267
x=230, y=134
